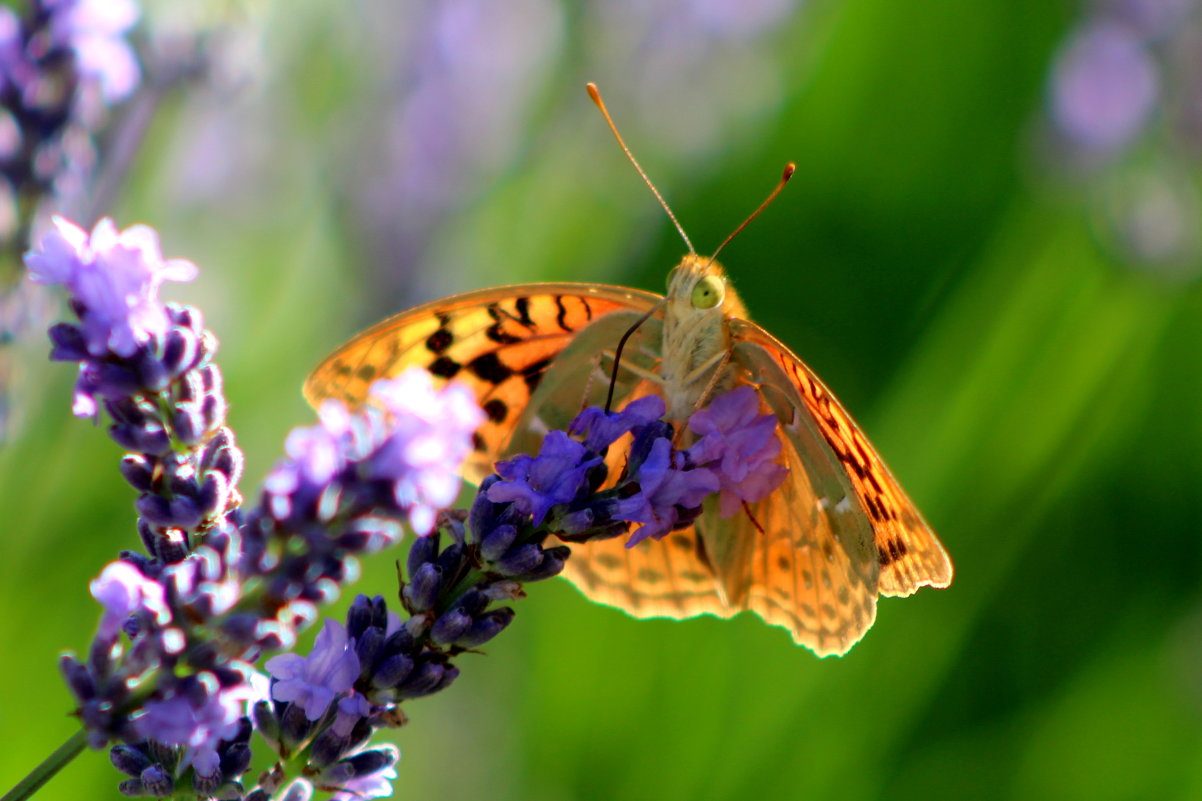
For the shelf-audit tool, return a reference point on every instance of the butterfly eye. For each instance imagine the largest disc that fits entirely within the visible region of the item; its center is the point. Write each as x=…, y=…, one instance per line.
x=708, y=293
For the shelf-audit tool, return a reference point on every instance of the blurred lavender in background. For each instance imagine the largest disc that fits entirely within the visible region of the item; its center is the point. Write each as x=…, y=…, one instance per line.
x=1124, y=105
x=458, y=98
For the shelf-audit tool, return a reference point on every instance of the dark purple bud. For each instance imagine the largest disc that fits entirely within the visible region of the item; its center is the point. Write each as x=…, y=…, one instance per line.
x=150, y=438
x=138, y=471
x=181, y=478
x=327, y=748
x=267, y=724
x=78, y=679
x=368, y=646
x=117, y=380
x=450, y=626
x=366, y=763
x=359, y=617
x=392, y=671
x=421, y=593
x=423, y=550
x=150, y=372
x=236, y=760
x=180, y=350
x=226, y=459
x=486, y=627
x=448, y=675
x=480, y=518
x=187, y=423
x=158, y=782
x=401, y=641
x=259, y=794
x=454, y=562
x=294, y=727
x=171, y=546
x=178, y=512
x=242, y=628
x=472, y=602
x=132, y=788
x=69, y=343
x=520, y=561
x=214, y=493
x=497, y=542
x=129, y=412
x=552, y=564
x=425, y=679
x=213, y=410
x=129, y=760
x=577, y=522
x=145, y=564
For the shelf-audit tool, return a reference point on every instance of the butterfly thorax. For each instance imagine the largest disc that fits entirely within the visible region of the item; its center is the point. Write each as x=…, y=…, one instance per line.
x=697, y=341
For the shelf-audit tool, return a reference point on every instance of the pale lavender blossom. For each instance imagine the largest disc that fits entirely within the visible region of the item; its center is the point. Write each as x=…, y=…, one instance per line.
x=122, y=590
x=95, y=31
x=1105, y=85
x=115, y=275
x=430, y=436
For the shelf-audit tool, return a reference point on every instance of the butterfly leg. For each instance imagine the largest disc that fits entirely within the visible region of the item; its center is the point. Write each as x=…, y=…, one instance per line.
x=638, y=370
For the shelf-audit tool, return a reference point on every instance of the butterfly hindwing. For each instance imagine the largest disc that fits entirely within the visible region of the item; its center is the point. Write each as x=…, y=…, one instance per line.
x=907, y=551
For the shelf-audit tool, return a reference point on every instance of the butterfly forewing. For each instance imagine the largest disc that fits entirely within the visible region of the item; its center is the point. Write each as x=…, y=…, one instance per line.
x=498, y=341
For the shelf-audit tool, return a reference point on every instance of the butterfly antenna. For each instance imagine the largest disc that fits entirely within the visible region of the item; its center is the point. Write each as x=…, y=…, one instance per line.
x=613, y=378
x=595, y=94
x=790, y=168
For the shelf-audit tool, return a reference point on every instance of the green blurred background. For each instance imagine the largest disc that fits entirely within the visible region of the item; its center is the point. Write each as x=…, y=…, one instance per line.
x=983, y=298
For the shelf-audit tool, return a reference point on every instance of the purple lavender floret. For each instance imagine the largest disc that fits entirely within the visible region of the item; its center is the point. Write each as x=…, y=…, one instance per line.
x=314, y=682
x=740, y=447
x=556, y=476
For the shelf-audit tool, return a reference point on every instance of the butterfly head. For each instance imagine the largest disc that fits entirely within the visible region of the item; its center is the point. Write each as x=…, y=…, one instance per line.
x=698, y=289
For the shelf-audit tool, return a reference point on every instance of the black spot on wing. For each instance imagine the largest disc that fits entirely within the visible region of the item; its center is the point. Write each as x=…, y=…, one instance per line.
x=496, y=410
x=439, y=341
x=445, y=367
x=489, y=367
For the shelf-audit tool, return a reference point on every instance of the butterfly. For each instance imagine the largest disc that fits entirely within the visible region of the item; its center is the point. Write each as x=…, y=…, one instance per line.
x=812, y=556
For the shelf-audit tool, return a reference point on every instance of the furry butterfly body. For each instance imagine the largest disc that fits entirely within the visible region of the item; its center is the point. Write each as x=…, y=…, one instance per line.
x=812, y=556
